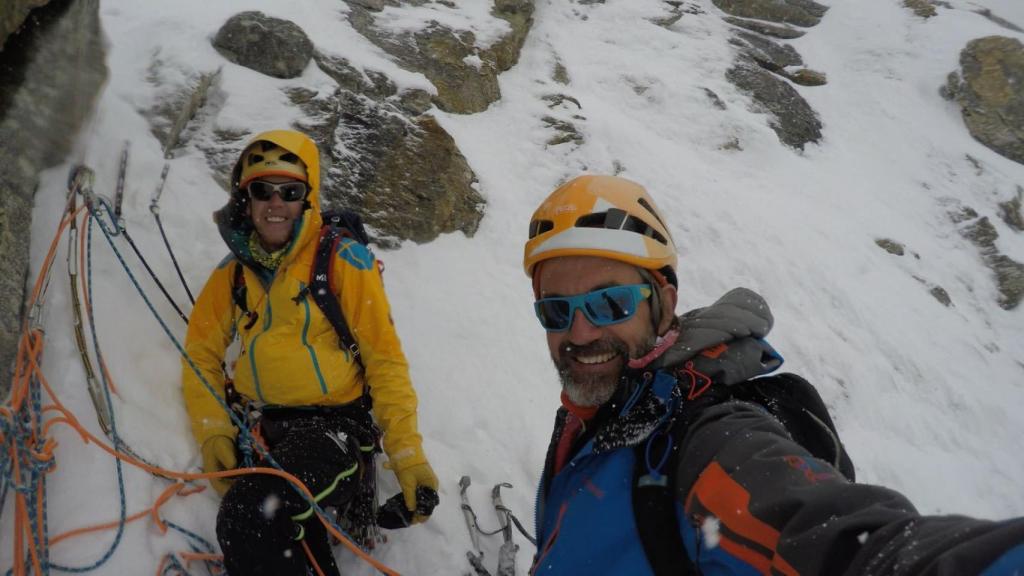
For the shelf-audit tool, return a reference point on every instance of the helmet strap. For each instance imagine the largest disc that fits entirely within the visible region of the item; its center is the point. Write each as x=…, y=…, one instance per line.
x=656, y=283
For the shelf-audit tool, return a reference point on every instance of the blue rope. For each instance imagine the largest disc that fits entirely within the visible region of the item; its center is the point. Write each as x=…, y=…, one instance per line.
x=19, y=431
x=174, y=564
x=197, y=543
x=242, y=429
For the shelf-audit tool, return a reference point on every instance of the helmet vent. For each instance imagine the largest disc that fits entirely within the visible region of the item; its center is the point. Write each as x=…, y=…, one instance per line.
x=255, y=159
x=647, y=205
x=538, y=227
x=616, y=219
x=290, y=158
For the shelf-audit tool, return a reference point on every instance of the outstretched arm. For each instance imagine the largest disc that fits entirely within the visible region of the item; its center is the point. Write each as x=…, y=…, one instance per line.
x=753, y=496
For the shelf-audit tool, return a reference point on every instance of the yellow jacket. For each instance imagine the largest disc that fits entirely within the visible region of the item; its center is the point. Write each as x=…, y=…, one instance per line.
x=291, y=355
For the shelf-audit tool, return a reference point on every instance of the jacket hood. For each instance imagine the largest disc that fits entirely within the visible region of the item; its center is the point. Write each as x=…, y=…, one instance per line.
x=233, y=220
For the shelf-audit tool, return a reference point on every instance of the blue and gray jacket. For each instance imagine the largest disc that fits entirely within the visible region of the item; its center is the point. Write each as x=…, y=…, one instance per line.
x=749, y=500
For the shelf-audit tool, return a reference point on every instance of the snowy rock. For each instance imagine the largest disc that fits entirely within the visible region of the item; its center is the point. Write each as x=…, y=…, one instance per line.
x=1008, y=272
x=807, y=77
x=775, y=57
x=890, y=246
x=799, y=12
x=415, y=101
x=52, y=72
x=271, y=46
x=404, y=174
x=369, y=82
x=1010, y=211
x=565, y=131
x=423, y=188
x=792, y=118
x=761, y=48
x=923, y=8
x=169, y=118
x=560, y=74
x=940, y=294
x=776, y=31
x=989, y=92
x=373, y=5
x=464, y=74
x=998, y=20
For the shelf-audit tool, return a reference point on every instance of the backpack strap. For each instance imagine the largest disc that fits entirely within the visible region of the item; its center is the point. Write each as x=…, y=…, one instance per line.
x=239, y=293
x=654, y=504
x=320, y=286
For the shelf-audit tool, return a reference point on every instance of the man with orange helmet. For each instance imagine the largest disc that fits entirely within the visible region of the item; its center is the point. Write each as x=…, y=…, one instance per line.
x=674, y=451
x=312, y=394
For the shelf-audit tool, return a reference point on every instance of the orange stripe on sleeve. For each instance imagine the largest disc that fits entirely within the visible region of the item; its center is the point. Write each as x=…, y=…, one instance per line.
x=727, y=500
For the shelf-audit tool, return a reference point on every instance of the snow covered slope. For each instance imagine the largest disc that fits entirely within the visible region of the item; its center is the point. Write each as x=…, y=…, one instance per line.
x=927, y=398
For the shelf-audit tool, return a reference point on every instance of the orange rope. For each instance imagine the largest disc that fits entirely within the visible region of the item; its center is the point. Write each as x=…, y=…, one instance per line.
x=312, y=560
x=30, y=346
x=190, y=557
x=172, y=490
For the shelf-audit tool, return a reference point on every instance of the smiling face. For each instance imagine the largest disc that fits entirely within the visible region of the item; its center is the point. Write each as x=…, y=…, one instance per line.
x=274, y=219
x=590, y=359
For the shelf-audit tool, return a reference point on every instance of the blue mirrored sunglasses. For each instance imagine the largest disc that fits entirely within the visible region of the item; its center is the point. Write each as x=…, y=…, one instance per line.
x=602, y=307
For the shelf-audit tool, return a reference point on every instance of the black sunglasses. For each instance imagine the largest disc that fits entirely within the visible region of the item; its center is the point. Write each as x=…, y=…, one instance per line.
x=288, y=191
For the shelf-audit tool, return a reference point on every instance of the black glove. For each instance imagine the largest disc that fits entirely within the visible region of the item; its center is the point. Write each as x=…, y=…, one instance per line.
x=393, y=514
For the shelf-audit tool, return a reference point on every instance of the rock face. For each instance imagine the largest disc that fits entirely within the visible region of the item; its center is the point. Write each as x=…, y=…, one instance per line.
x=1010, y=211
x=792, y=118
x=13, y=14
x=399, y=168
x=773, y=30
x=989, y=92
x=923, y=8
x=1009, y=273
x=798, y=12
x=272, y=46
x=891, y=246
x=380, y=153
x=52, y=73
x=465, y=76
x=763, y=49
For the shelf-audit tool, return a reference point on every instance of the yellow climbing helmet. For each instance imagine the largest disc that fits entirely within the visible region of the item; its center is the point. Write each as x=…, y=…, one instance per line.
x=603, y=216
x=266, y=158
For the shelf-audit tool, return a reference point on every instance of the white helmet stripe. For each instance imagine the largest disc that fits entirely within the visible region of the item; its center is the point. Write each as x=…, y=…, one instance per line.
x=622, y=241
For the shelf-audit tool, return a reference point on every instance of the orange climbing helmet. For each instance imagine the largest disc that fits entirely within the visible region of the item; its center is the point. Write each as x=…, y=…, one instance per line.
x=603, y=216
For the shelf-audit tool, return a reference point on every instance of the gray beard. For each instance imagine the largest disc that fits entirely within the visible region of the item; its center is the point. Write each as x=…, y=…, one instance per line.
x=588, y=392
x=594, y=390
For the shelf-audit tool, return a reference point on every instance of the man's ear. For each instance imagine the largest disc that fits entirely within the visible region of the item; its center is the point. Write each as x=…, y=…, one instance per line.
x=668, y=298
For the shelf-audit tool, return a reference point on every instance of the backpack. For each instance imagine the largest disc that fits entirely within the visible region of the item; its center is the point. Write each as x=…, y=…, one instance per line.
x=788, y=397
x=337, y=225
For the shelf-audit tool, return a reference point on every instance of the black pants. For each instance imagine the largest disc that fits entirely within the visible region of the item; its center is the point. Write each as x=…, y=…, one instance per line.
x=255, y=524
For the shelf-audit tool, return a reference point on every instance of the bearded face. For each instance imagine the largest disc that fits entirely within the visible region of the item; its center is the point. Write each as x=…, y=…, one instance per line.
x=594, y=387
x=590, y=359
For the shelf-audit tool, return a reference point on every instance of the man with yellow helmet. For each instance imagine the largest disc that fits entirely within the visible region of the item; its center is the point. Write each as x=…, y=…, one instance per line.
x=313, y=395
x=674, y=452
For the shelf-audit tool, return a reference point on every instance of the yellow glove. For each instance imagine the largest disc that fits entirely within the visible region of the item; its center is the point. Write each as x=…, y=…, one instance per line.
x=418, y=476
x=219, y=455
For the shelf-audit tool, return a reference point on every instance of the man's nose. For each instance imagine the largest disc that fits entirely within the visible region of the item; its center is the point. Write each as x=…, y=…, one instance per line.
x=582, y=331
